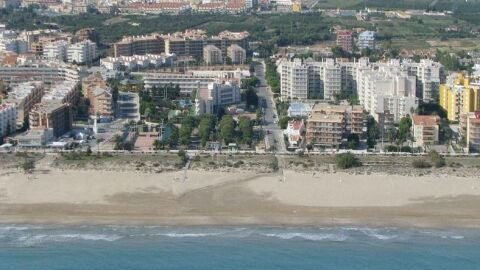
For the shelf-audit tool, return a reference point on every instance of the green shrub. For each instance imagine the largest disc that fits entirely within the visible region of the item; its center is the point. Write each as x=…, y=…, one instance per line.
x=347, y=160
x=421, y=164
x=437, y=160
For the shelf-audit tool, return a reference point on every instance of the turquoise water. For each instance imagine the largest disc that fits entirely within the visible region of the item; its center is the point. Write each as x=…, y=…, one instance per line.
x=117, y=247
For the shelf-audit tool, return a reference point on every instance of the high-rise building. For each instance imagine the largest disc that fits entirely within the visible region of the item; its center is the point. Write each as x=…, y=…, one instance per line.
x=429, y=77
x=82, y=52
x=345, y=40
x=237, y=54
x=212, y=55
x=56, y=50
x=51, y=114
x=328, y=124
x=217, y=94
x=25, y=96
x=460, y=95
x=310, y=80
x=387, y=90
x=8, y=119
x=139, y=45
x=473, y=131
x=367, y=40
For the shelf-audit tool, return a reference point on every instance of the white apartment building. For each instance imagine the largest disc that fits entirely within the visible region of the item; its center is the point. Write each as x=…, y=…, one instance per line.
x=237, y=54
x=212, y=55
x=82, y=52
x=137, y=62
x=387, y=91
x=217, y=94
x=429, y=77
x=367, y=40
x=56, y=50
x=188, y=82
x=310, y=80
x=8, y=119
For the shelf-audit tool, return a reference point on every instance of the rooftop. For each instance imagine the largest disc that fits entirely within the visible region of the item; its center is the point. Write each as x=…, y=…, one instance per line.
x=425, y=120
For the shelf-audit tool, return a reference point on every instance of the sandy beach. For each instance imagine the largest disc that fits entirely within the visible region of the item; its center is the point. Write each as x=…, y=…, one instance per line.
x=238, y=198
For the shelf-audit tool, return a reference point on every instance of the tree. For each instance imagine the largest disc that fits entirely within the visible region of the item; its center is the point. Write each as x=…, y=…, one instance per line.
x=347, y=160
x=204, y=128
x=251, y=98
x=372, y=131
x=352, y=141
x=186, y=130
x=339, y=52
x=246, y=130
x=283, y=122
x=227, y=129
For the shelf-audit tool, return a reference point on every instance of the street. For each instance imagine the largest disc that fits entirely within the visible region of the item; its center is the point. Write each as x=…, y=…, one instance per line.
x=273, y=134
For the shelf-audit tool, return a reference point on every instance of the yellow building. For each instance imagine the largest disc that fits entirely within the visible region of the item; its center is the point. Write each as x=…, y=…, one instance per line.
x=460, y=96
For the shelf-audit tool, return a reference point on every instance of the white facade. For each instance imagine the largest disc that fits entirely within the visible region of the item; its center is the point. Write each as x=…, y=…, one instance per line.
x=429, y=77
x=366, y=39
x=8, y=119
x=237, y=54
x=307, y=80
x=212, y=55
x=82, y=52
x=387, y=91
x=137, y=62
x=216, y=95
x=56, y=50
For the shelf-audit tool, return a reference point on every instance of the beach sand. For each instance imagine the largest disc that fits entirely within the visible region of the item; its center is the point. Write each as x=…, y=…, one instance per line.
x=238, y=198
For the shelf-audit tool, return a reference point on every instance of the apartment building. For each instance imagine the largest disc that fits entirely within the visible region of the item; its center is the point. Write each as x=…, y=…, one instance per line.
x=425, y=130
x=139, y=45
x=345, y=40
x=65, y=92
x=387, y=91
x=460, y=95
x=190, y=81
x=310, y=80
x=101, y=102
x=46, y=72
x=429, y=76
x=8, y=119
x=56, y=50
x=25, y=96
x=212, y=55
x=216, y=95
x=367, y=40
x=137, y=62
x=473, y=131
x=51, y=114
x=192, y=42
x=236, y=54
x=83, y=52
x=328, y=124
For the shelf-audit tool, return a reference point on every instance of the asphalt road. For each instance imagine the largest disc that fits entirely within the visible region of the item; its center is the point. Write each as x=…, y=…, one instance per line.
x=273, y=134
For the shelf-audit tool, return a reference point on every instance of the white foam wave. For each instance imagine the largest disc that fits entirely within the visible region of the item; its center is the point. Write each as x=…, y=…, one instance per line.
x=377, y=235
x=183, y=235
x=309, y=236
x=41, y=238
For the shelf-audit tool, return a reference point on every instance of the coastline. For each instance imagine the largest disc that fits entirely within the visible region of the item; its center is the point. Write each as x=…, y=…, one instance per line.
x=238, y=198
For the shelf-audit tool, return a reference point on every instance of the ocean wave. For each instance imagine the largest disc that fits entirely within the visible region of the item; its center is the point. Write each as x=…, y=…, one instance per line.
x=308, y=236
x=42, y=238
x=183, y=235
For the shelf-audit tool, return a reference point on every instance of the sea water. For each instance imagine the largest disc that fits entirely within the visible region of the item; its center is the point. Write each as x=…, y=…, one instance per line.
x=118, y=247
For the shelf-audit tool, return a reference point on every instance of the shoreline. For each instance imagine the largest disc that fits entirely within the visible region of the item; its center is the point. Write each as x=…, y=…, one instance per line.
x=72, y=197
